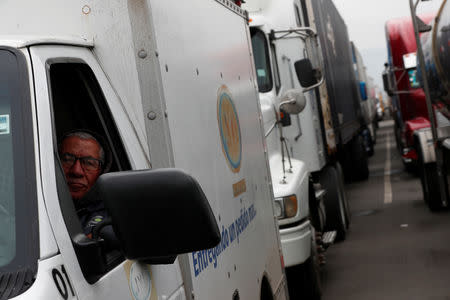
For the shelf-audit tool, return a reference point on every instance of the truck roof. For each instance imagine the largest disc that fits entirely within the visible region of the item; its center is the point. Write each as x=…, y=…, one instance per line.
x=21, y=41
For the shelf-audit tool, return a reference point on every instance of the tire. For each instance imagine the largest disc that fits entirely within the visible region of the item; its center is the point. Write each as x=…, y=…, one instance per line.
x=368, y=142
x=334, y=203
x=359, y=160
x=430, y=183
x=411, y=167
x=343, y=195
x=304, y=281
x=430, y=186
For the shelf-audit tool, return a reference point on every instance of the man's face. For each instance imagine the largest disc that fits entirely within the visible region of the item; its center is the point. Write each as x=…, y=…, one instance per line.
x=79, y=178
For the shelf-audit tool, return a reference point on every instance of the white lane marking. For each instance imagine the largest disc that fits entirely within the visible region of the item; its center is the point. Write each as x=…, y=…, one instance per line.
x=387, y=172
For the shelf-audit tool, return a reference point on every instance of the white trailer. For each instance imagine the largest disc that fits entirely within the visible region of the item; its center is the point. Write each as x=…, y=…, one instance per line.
x=281, y=37
x=168, y=84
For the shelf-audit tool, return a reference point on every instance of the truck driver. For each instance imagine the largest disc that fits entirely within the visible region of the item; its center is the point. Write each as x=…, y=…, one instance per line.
x=83, y=160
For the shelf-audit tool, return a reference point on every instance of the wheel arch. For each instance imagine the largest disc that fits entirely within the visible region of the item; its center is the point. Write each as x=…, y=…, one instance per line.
x=266, y=291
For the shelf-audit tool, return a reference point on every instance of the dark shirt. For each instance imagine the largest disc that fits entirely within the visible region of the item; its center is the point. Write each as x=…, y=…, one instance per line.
x=90, y=216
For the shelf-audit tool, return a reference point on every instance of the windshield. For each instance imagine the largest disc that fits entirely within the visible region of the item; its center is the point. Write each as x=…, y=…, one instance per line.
x=262, y=61
x=413, y=80
x=18, y=215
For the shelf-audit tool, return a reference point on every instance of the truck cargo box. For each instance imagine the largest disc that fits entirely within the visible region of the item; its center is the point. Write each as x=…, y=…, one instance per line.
x=339, y=74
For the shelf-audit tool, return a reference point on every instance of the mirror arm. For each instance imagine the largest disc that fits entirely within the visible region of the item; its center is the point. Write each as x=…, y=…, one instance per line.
x=271, y=128
x=301, y=31
x=322, y=79
x=284, y=103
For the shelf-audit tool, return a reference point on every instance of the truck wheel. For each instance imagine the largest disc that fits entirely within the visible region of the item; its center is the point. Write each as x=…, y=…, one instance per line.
x=312, y=285
x=304, y=280
x=430, y=182
x=359, y=159
x=430, y=186
x=334, y=203
x=368, y=142
x=343, y=194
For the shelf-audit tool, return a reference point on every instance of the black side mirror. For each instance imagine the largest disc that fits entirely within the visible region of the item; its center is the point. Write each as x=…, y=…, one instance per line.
x=158, y=214
x=305, y=73
x=386, y=84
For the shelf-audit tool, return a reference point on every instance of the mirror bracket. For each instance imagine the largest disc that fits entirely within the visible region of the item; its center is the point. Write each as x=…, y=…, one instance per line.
x=322, y=79
x=300, y=32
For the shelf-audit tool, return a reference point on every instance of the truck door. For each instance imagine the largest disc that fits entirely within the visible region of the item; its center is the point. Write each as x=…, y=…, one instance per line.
x=73, y=93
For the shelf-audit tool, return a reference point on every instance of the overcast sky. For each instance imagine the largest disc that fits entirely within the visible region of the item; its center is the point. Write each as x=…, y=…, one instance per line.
x=365, y=21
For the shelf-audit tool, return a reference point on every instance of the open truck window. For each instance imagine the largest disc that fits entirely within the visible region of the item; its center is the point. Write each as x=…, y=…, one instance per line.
x=79, y=104
x=262, y=61
x=18, y=201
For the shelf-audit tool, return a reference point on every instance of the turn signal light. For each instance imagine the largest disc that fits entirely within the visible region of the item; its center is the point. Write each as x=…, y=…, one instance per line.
x=286, y=207
x=290, y=206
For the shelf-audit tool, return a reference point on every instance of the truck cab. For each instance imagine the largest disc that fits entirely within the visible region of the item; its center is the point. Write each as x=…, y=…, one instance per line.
x=401, y=83
x=188, y=190
x=46, y=253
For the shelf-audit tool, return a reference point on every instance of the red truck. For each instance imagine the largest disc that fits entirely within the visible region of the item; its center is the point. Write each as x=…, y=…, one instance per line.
x=400, y=82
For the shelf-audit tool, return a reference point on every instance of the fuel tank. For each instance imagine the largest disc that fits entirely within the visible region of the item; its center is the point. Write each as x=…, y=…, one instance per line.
x=436, y=48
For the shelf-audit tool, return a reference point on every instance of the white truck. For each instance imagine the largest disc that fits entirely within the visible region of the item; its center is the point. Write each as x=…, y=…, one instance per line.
x=168, y=84
x=281, y=39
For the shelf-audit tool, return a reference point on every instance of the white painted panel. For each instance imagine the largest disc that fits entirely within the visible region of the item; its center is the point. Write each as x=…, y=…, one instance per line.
x=201, y=49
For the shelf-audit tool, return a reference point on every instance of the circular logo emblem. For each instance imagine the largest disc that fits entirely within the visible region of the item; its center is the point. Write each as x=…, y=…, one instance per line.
x=230, y=130
x=140, y=282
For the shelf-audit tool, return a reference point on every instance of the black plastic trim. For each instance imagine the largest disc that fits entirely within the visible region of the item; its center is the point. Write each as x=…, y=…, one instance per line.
x=295, y=224
x=19, y=275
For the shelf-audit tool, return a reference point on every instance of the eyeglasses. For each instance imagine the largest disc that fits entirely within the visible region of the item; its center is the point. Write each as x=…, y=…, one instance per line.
x=88, y=163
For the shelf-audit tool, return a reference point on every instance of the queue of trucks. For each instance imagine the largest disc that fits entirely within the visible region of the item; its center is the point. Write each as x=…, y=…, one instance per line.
x=416, y=78
x=306, y=149
x=232, y=128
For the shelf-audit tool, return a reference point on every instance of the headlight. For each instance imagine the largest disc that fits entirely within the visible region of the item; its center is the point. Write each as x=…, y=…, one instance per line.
x=278, y=209
x=286, y=207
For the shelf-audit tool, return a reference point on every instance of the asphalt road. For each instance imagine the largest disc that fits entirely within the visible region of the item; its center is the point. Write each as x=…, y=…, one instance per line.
x=396, y=248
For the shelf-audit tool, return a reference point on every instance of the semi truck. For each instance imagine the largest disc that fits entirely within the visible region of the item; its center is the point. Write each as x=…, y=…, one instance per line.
x=171, y=87
x=400, y=83
x=433, y=142
x=328, y=132
x=288, y=60
x=342, y=91
x=292, y=146
x=368, y=100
